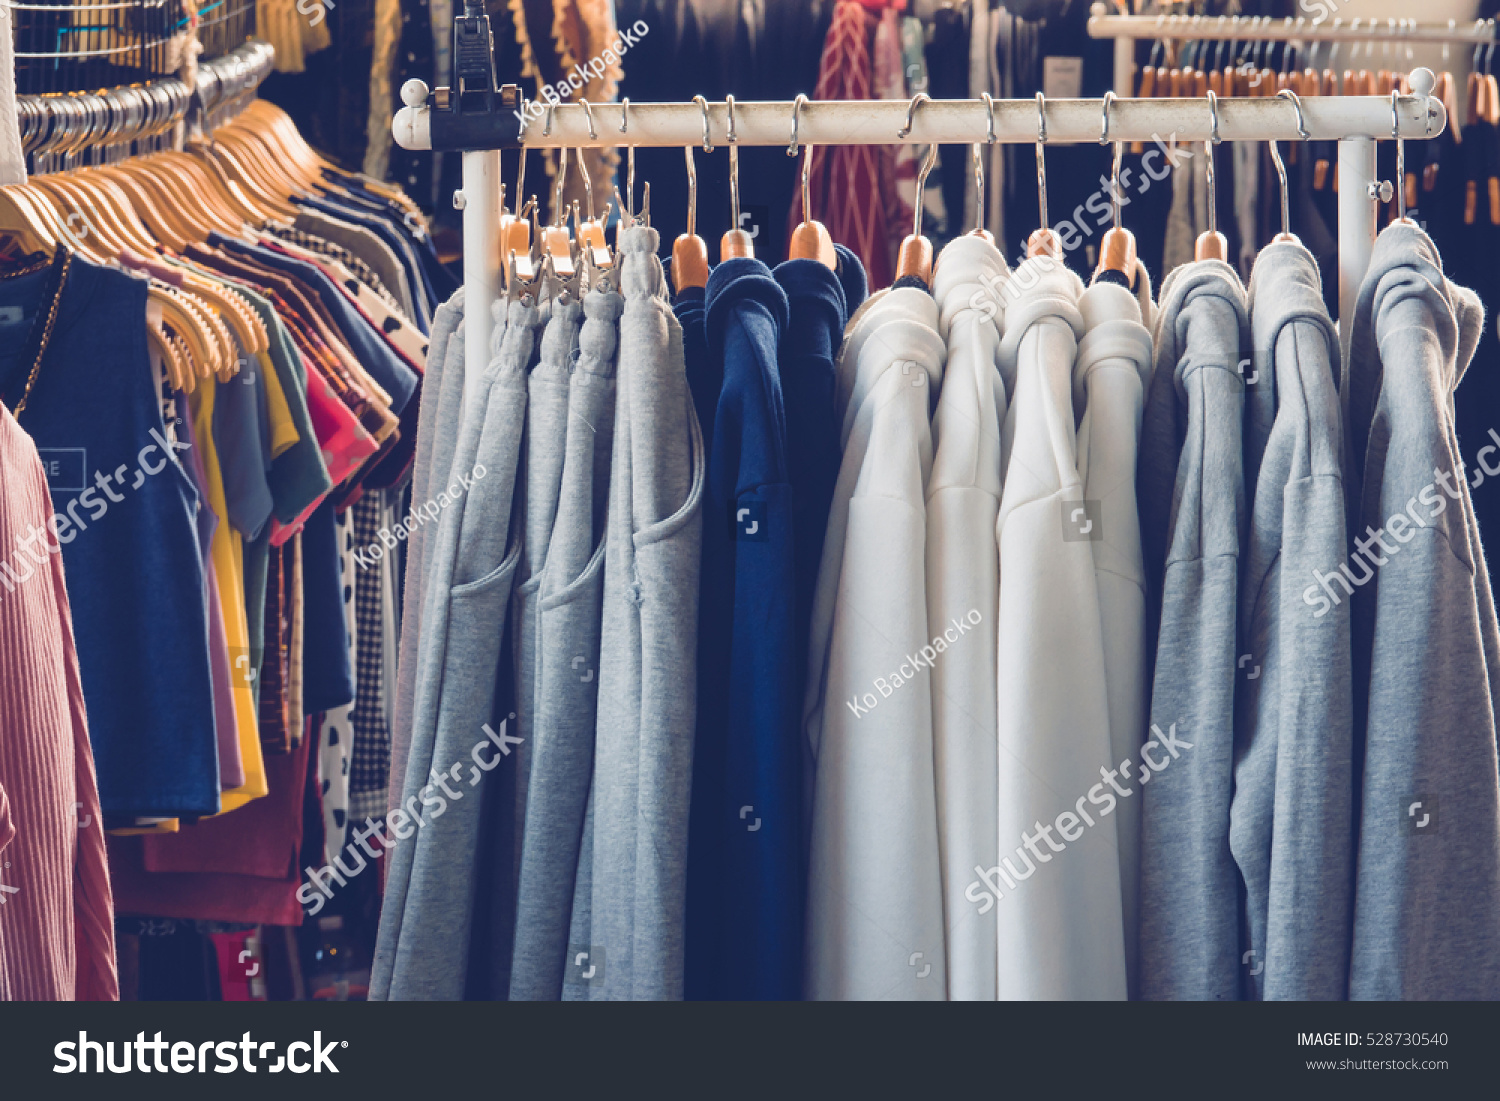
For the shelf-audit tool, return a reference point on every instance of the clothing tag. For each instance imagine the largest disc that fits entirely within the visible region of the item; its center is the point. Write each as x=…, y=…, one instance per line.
x=9, y=315
x=1062, y=77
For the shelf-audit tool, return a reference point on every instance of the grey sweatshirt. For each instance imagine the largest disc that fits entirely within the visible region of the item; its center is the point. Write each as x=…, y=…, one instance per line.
x=648, y=642
x=567, y=680
x=1291, y=819
x=422, y=948
x=546, y=444
x=442, y=399
x=1191, y=492
x=1424, y=639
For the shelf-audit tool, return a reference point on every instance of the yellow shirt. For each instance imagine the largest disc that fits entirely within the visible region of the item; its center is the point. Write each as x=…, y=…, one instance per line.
x=283, y=431
x=228, y=557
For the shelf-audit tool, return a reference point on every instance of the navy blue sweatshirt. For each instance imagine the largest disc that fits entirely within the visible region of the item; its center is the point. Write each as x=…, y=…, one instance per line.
x=820, y=302
x=744, y=909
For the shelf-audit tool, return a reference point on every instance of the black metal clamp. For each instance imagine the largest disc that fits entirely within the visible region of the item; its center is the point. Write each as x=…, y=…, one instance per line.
x=475, y=113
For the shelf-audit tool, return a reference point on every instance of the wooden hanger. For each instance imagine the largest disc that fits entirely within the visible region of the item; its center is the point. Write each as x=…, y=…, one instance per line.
x=810, y=240
x=141, y=201
x=689, y=252
x=188, y=220
x=83, y=222
x=75, y=238
x=21, y=223
x=187, y=176
x=179, y=375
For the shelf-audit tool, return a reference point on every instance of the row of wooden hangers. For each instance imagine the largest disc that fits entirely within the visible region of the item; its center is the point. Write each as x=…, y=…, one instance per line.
x=1246, y=77
x=139, y=211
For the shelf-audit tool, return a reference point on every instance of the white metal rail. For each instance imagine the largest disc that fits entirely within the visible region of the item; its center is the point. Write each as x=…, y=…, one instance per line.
x=1355, y=122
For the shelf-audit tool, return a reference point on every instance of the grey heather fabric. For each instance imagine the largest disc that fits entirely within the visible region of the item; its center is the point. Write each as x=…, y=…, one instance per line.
x=581, y=923
x=441, y=404
x=567, y=681
x=1192, y=501
x=1291, y=825
x=369, y=248
x=1425, y=643
x=423, y=945
x=648, y=640
x=546, y=442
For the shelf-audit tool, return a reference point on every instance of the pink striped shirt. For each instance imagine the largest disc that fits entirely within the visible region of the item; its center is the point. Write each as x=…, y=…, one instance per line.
x=56, y=917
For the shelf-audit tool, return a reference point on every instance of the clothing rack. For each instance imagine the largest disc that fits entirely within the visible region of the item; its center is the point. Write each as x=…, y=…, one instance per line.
x=1125, y=29
x=1355, y=122
x=62, y=131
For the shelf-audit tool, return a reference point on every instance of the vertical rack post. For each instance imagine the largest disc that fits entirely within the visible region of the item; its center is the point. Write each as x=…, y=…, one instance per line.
x=1356, y=170
x=481, y=211
x=1124, y=67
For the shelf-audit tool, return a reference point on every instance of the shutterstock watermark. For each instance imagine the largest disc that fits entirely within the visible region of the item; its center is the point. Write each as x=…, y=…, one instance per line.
x=315, y=893
x=85, y=1056
x=1155, y=755
x=551, y=95
x=1401, y=527
x=389, y=538
x=315, y=10
x=924, y=655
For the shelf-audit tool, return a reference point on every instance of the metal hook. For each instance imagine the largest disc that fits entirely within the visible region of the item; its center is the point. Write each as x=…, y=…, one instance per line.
x=978, y=164
x=734, y=164
x=1208, y=167
x=1114, y=182
x=547, y=126
x=1296, y=101
x=692, y=216
x=708, y=143
x=797, y=105
x=1041, y=160
x=558, y=212
x=588, y=113
x=927, y=163
x=627, y=208
x=791, y=150
x=1400, y=156
x=911, y=111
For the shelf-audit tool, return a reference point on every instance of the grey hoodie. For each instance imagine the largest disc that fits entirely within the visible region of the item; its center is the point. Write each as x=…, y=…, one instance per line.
x=422, y=949
x=1191, y=492
x=546, y=444
x=1427, y=888
x=643, y=756
x=442, y=400
x=567, y=679
x=1291, y=825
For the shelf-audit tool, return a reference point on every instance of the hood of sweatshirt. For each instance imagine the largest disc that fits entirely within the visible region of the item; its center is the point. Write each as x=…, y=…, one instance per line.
x=895, y=329
x=1202, y=324
x=1413, y=337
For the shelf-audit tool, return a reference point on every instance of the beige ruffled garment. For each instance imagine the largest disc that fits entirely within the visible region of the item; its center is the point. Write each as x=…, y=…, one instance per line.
x=382, y=95
x=581, y=31
x=294, y=34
